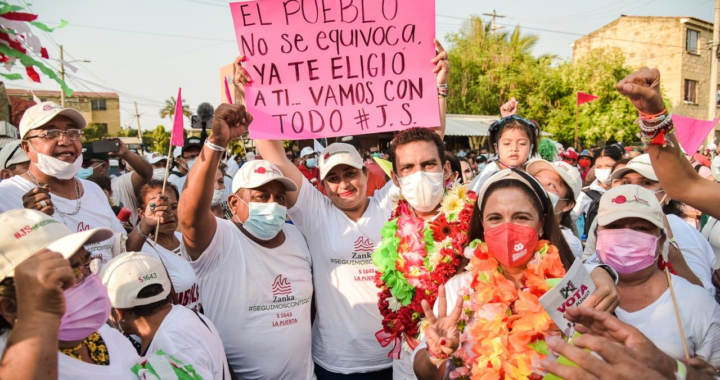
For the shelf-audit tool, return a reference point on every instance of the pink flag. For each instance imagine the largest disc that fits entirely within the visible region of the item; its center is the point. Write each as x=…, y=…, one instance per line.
x=177, y=132
x=691, y=132
x=584, y=98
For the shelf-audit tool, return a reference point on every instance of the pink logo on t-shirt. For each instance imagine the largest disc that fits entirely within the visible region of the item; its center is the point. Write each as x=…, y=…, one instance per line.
x=281, y=286
x=83, y=227
x=364, y=245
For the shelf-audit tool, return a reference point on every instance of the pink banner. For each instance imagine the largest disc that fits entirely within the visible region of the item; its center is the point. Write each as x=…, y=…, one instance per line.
x=324, y=68
x=691, y=132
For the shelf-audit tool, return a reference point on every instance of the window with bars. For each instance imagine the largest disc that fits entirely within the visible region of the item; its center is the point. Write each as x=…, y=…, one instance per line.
x=690, y=91
x=99, y=105
x=691, y=41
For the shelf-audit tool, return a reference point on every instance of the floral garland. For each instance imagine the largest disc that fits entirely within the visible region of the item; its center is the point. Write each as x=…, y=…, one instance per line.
x=413, y=260
x=508, y=329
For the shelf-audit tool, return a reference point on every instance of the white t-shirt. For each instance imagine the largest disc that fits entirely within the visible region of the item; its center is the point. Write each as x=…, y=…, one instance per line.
x=124, y=192
x=94, y=211
x=182, y=275
x=487, y=172
x=259, y=300
x=172, y=177
x=696, y=250
x=573, y=241
x=700, y=316
x=232, y=167
x=344, y=275
x=180, y=183
x=582, y=204
x=711, y=232
x=183, y=335
x=122, y=357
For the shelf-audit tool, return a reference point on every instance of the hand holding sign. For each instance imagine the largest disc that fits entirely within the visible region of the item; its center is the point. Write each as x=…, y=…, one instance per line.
x=637, y=345
x=616, y=363
x=442, y=334
x=643, y=89
x=230, y=121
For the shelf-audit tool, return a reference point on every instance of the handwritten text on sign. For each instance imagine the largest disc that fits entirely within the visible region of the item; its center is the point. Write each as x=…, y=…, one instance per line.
x=323, y=68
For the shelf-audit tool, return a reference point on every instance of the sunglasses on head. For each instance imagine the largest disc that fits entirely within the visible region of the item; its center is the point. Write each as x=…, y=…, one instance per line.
x=498, y=124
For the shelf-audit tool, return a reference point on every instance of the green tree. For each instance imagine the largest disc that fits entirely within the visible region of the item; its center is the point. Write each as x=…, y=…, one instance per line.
x=94, y=131
x=169, y=109
x=159, y=140
x=127, y=133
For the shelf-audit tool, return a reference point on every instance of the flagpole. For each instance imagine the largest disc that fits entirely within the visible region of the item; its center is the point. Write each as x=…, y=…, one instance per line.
x=167, y=169
x=577, y=110
x=677, y=313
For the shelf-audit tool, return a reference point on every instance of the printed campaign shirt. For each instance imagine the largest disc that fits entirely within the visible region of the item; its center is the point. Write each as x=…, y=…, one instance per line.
x=94, y=211
x=344, y=275
x=182, y=274
x=259, y=300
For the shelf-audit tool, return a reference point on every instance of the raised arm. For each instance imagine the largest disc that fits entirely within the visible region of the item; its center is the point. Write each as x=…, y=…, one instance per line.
x=142, y=170
x=442, y=67
x=197, y=221
x=676, y=175
x=270, y=150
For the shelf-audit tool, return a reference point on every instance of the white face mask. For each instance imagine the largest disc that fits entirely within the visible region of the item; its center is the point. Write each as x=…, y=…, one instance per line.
x=602, y=175
x=158, y=174
x=54, y=167
x=554, y=198
x=218, y=197
x=423, y=190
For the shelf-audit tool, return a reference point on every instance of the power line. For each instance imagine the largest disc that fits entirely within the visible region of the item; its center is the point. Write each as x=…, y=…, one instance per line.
x=571, y=33
x=149, y=33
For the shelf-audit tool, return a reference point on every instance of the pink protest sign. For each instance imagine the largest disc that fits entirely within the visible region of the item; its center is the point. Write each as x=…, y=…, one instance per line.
x=691, y=132
x=323, y=68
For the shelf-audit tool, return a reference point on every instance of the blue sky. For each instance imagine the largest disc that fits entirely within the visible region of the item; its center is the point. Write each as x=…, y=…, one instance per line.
x=146, y=49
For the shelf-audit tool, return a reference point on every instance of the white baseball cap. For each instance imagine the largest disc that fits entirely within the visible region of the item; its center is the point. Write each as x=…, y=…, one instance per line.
x=12, y=154
x=306, y=151
x=24, y=232
x=629, y=201
x=41, y=113
x=129, y=273
x=177, y=152
x=339, y=154
x=256, y=173
x=156, y=157
x=567, y=172
x=641, y=165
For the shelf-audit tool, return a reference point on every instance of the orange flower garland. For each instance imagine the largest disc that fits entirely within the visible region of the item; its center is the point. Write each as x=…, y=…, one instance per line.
x=508, y=327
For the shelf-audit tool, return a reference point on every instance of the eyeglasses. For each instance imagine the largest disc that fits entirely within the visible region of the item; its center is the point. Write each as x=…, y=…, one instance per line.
x=55, y=134
x=528, y=123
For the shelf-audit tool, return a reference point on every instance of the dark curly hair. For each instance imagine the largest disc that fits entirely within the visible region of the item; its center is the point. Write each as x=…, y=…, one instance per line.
x=416, y=134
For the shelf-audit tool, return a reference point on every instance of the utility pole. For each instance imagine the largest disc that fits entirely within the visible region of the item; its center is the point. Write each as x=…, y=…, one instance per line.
x=494, y=15
x=712, y=100
x=140, y=136
x=62, y=77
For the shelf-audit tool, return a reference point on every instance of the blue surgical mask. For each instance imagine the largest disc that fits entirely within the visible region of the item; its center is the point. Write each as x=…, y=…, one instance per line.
x=311, y=163
x=190, y=164
x=265, y=220
x=83, y=173
x=480, y=167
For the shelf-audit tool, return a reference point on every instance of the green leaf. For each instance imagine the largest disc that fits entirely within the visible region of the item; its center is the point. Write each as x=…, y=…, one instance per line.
x=540, y=347
x=46, y=28
x=12, y=76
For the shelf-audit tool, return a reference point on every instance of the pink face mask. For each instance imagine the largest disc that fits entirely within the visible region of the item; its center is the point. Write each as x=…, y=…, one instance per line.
x=625, y=250
x=87, y=309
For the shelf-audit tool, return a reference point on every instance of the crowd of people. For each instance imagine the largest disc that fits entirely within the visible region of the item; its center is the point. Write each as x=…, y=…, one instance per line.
x=332, y=264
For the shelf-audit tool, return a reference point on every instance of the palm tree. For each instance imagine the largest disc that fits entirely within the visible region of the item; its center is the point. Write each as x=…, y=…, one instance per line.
x=169, y=109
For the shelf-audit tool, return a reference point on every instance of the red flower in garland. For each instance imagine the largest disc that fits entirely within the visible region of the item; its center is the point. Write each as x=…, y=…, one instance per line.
x=441, y=228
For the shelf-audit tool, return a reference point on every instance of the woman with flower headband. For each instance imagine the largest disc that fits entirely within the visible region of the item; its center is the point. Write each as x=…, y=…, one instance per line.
x=514, y=140
x=497, y=328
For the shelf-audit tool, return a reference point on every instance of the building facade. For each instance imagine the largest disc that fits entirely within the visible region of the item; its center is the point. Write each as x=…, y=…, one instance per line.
x=677, y=46
x=102, y=108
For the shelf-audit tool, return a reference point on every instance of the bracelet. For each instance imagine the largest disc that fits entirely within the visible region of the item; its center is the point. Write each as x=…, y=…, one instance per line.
x=139, y=230
x=214, y=147
x=666, y=122
x=435, y=356
x=443, y=86
x=644, y=115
